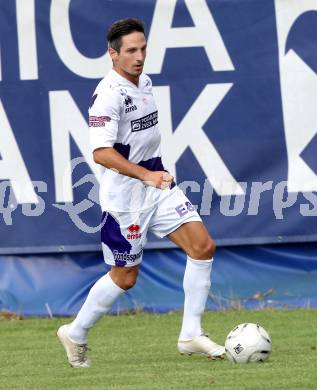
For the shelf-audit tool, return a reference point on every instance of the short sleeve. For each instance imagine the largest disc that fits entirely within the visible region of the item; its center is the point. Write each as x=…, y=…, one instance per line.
x=104, y=115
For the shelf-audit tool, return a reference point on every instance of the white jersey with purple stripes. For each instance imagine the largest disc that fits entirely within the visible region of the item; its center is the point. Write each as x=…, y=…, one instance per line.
x=125, y=117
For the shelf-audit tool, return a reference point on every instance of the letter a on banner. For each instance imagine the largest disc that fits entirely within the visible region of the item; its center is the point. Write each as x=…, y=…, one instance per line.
x=12, y=166
x=197, y=36
x=62, y=127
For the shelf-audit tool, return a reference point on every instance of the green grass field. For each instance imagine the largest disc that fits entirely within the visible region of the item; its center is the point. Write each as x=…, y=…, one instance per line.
x=139, y=352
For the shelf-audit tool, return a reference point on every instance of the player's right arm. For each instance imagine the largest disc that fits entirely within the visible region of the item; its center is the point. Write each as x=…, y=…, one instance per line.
x=104, y=115
x=110, y=158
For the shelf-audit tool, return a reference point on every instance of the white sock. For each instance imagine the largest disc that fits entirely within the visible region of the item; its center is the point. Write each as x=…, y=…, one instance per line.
x=99, y=301
x=196, y=288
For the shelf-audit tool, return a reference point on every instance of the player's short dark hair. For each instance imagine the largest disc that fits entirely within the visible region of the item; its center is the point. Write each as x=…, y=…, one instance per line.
x=120, y=28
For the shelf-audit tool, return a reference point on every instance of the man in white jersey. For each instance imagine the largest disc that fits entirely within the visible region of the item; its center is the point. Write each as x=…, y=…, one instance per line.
x=138, y=195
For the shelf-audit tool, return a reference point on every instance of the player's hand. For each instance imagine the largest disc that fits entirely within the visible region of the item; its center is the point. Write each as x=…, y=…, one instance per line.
x=158, y=179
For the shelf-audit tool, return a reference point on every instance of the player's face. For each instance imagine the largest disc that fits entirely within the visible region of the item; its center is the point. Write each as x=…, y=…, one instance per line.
x=129, y=61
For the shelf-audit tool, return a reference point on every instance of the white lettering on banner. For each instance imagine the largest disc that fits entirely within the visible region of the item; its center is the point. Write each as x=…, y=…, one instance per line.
x=231, y=206
x=305, y=208
x=190, y=133
x=25, y=14
x=206, y=199
x=282, y=199
x=66, y=121
x=257, y=188
x=62, y=36
x=12, y=166
x=194, y=187
x=299, y=97
x=8, y=203
x=28, y=209
x=204, y=34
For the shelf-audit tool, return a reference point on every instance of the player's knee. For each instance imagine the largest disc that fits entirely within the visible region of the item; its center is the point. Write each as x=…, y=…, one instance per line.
x=124, y=278
x=129, y=282
x=203, y=250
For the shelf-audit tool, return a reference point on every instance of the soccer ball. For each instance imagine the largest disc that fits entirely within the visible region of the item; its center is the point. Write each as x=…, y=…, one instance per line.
x=248, y=343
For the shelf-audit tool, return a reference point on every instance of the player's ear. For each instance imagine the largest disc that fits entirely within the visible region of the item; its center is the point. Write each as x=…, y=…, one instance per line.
x=113, y=53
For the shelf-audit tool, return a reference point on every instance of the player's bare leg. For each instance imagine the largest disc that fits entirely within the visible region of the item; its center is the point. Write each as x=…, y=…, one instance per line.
x=124, y=277
x=99, y=301
x=195, y=240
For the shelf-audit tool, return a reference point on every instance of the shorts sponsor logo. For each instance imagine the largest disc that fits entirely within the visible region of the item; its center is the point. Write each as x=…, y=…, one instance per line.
x=134, y=236
x=134, y=232
x=119, y=256
x=183, y=209
x=145, y=122
x=98, y=121
x=134, y=228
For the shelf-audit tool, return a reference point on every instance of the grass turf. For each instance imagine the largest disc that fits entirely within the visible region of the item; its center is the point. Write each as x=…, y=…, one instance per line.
x=139, y=352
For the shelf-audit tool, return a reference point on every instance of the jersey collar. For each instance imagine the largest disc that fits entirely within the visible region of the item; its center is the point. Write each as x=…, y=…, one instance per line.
x=123, y=81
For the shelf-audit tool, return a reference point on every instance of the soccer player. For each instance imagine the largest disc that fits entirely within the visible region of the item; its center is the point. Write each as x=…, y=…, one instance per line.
x=138, y=195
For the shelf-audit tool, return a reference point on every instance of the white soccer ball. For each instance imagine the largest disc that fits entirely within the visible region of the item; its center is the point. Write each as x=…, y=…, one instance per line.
x=248, y=343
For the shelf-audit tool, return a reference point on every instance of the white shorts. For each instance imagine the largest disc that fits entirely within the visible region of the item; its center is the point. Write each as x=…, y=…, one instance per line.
x=124, y=234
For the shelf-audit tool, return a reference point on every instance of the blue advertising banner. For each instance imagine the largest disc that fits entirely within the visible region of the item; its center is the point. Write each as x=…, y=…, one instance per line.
x=242, y=277
x=236, y=87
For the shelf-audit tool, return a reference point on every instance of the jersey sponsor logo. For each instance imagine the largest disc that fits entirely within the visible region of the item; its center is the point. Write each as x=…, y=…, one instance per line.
x=119, y=256
x=98, y=121
x=134, y=232
x=145, y=122
x=128, y=102
x=132, y=108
